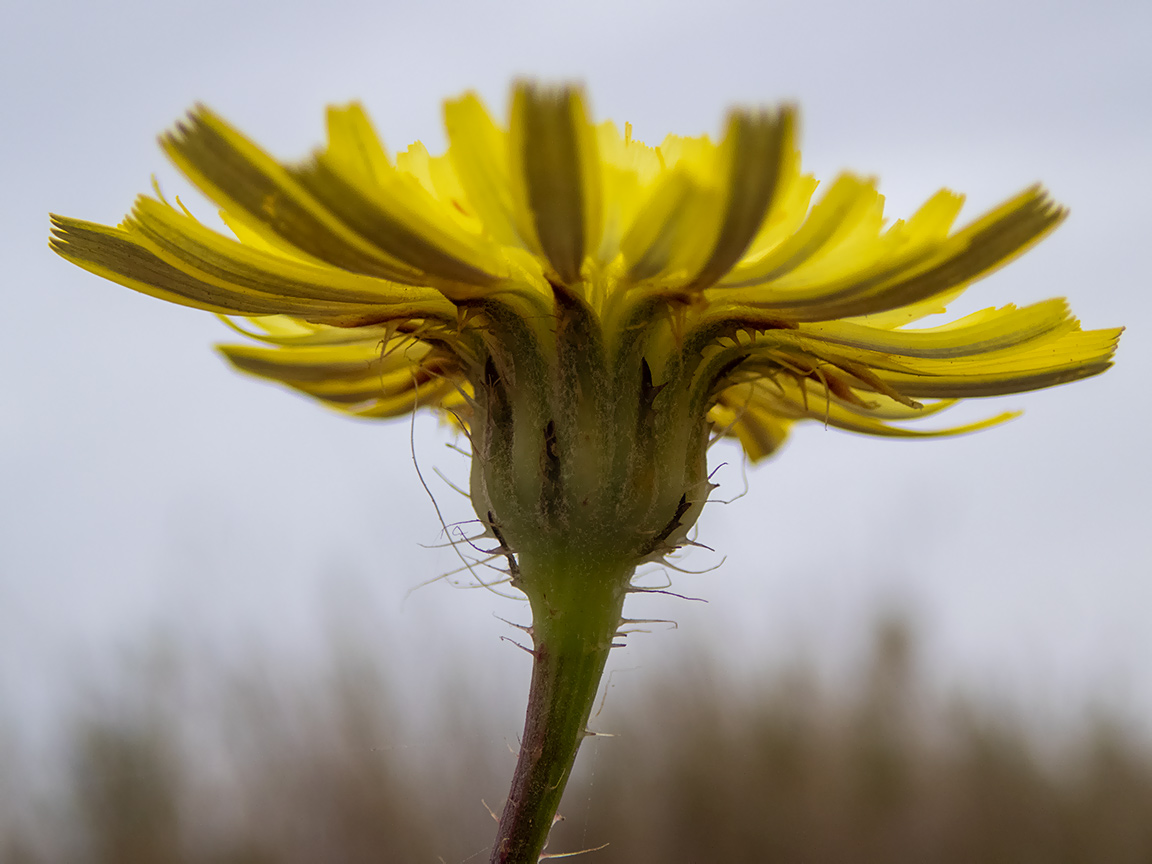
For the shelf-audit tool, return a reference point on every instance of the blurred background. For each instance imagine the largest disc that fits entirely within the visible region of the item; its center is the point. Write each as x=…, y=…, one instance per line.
x=216, y=638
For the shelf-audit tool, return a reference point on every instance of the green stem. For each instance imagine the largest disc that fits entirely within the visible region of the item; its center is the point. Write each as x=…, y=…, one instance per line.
x=575, y=614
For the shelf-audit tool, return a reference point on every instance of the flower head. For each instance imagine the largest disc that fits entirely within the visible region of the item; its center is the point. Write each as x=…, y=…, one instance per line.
x=592, y=312
x=559, y=287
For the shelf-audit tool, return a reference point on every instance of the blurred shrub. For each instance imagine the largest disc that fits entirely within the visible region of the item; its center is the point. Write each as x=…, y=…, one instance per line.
x=703, y=769
x=790, y=773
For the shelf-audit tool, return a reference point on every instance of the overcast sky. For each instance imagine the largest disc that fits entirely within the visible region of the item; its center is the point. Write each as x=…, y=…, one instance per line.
x=144, y=487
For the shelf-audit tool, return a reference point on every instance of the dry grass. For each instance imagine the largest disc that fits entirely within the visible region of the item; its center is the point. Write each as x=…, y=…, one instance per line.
x=702, y=770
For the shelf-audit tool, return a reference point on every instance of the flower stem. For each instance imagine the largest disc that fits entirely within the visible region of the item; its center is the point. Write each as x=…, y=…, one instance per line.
x=575, y=617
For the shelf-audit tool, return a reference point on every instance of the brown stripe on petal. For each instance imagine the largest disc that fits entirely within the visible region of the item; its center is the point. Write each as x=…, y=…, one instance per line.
x=238, y=175
x=114, y=254
x=384, y=229
x=760, y=142
x=545, y=129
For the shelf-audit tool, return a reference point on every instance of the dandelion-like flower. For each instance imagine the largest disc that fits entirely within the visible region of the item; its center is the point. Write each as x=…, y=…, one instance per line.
x=592, y=312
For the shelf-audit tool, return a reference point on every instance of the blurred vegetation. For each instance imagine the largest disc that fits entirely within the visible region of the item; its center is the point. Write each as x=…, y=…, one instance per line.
x=253, y=769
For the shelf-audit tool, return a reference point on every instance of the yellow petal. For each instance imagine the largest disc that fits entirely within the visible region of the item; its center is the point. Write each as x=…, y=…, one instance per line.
x=758, y=414
x=982, y=333
x=355, y=182
x=199, y=251
x=849, y=209
x=125, y=258
x=1076, y=355
x=920, y=272
x=628, y=169
x=364, y=379
x=478, y=149
x=760, y=432
x=255, y=189
x=555, y=174
x=757, y=148
x=293, y=332
x=669, y=233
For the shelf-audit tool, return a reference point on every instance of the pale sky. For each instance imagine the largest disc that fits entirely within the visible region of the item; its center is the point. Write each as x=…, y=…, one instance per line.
x=146, y=488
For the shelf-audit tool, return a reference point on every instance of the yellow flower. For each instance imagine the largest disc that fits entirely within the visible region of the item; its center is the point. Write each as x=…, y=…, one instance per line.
x=690, y=251
x=591, y=311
